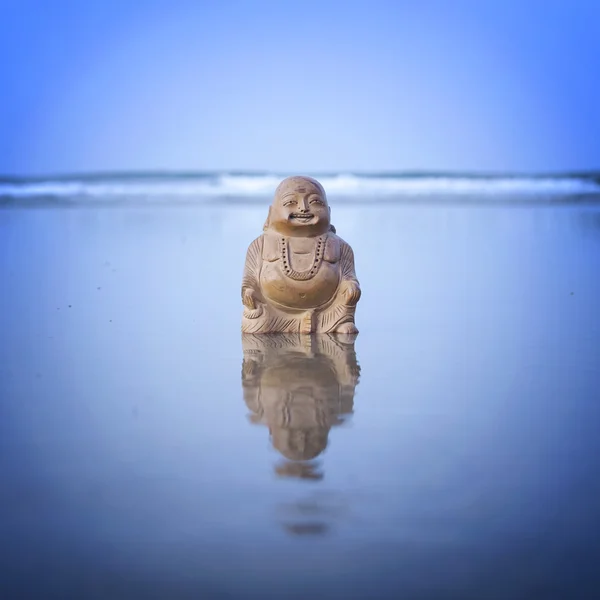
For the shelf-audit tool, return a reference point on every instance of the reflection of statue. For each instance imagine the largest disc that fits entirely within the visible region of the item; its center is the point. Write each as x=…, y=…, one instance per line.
x=299, y=275
x=299, y=387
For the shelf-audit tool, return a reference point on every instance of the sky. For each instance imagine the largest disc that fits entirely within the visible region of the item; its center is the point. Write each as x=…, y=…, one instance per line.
x=308, y=86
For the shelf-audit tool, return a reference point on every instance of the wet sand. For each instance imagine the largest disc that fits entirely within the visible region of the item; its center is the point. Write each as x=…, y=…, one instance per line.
x=456, y=441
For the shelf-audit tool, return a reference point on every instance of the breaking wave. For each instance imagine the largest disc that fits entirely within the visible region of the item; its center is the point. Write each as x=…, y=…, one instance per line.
x=191, y=188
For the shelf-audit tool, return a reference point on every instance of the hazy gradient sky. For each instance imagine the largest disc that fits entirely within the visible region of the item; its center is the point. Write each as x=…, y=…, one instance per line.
x=299, y=86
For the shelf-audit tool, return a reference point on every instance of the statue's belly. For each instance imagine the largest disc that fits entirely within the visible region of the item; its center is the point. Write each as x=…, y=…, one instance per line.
x=277, y=287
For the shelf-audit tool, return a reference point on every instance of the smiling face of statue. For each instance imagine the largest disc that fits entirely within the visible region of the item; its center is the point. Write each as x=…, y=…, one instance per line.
x=299, y=208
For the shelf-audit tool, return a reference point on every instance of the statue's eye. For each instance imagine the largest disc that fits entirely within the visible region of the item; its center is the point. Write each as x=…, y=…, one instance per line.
x=289, y=202
x=316, y=201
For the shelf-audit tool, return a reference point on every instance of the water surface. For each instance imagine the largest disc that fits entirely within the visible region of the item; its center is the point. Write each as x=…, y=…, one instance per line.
x=450, y=451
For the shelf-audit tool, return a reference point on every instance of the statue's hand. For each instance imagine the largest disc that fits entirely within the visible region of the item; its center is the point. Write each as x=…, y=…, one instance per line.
x=249, y=298
x=350, y=293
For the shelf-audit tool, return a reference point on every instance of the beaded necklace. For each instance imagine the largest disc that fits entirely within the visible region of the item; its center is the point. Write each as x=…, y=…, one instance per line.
x=312, y=270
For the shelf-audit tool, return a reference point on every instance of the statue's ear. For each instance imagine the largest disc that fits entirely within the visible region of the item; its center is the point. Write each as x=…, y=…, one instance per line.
x=331, y=227
x=268, y=221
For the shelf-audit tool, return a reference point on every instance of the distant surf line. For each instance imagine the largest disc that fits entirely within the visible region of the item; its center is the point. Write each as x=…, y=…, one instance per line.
x=192, y=186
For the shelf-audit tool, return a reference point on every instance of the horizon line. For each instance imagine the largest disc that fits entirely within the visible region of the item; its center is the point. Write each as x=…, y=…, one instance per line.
x=187, y=173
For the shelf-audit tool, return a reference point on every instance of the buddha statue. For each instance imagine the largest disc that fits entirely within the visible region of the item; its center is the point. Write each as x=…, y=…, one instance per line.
x=299, y=387
x=299, y=275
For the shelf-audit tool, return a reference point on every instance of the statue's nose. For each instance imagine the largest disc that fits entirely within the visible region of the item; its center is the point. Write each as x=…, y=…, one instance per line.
x=303, y=206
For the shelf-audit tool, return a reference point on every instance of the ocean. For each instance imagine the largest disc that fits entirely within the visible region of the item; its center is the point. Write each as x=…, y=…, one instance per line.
x=201, y=188
x=450, y=451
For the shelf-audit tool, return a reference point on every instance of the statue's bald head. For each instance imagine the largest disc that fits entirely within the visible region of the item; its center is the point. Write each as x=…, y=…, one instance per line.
x=300, y=183
x=300, y=444
x=299, y=208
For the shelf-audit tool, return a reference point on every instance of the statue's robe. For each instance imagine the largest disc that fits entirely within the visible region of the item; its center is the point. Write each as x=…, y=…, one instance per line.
x=291, y=301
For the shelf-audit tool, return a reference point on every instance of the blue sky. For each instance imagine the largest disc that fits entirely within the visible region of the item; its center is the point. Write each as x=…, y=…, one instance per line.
x=299, y=86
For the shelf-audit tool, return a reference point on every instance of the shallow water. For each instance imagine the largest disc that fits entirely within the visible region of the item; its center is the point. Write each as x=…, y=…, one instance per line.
x=145, y=448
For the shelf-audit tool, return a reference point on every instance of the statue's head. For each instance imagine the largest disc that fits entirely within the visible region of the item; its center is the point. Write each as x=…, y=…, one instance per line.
x=300, y=444
x=299, y=208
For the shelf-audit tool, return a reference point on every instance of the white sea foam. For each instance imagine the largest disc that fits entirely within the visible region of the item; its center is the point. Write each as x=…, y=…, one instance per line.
x=255, y=186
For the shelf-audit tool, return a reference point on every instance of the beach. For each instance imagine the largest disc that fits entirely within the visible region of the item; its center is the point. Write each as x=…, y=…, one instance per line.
x=461, y=461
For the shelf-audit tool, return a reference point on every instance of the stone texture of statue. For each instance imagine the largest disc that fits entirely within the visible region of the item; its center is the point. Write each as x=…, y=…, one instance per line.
x=299, y=275
x=299, y=386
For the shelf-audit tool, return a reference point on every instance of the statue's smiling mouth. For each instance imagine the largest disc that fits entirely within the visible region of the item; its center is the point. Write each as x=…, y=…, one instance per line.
x=301, y=217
